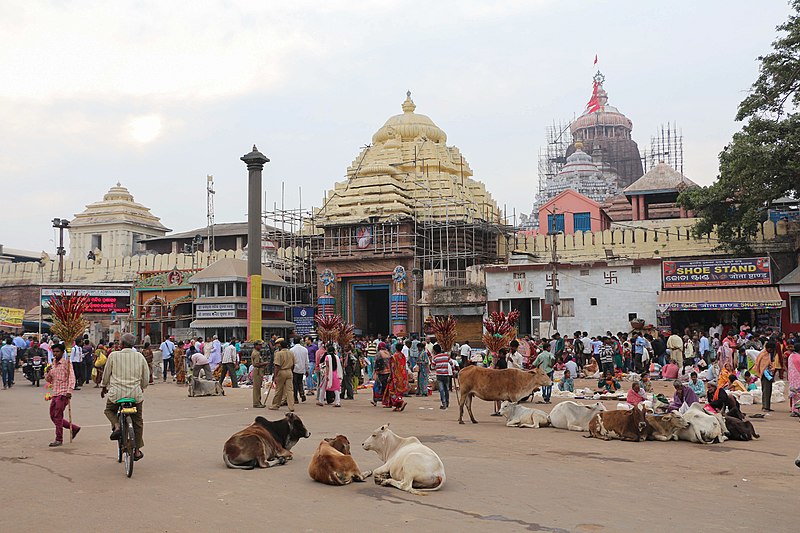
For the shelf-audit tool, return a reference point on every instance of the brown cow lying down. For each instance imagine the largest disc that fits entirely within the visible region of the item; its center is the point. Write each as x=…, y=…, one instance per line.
x=624, y=424
x=263, y=443
x=740, y=429
x=332, y=463
x=509, y=384
x=664, y=427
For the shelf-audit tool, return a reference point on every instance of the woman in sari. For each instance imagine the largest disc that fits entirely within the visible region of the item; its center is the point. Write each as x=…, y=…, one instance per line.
x=332, y=375
x=423, y=364
x=725, y=371
x=397, y=385
x=180, y=363
x=380, y=374
x=793, y=364
x=99, y=364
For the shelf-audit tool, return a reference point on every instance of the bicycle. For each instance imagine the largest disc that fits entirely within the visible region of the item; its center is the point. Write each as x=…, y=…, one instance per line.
x=127, y=440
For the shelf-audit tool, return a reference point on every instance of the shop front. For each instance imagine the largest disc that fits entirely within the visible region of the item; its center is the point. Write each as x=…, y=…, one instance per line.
x=704, y=293
x=163, y=303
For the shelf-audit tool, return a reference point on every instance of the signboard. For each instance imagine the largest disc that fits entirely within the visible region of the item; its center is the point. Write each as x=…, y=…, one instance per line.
x=717, y=306
x=11, y=317
x=716, y=273
x=303, y=318
x=101, y=301
x=221, y=313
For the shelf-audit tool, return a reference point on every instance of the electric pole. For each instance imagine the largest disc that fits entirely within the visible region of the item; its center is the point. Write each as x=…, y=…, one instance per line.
x=554, y=267
x=61, y=223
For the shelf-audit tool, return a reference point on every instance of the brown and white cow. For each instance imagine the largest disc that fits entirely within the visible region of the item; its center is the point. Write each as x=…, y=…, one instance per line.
x=264, y=443
x=490, y=384
x=625, y=424
x=664, y=427
x=332, y=463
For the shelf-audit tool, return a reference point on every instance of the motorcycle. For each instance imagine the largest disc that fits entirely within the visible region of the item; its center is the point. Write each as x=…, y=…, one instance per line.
x=33, y=369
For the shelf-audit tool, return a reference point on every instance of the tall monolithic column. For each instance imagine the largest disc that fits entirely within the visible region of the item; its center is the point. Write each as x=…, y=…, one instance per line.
x=255, y=165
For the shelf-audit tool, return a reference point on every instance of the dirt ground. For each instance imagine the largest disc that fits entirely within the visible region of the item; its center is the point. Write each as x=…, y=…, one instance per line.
x=498, y=478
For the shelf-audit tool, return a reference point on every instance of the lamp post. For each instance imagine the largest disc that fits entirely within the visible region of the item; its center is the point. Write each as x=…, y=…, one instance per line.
x=255, y=165
x=60, y=223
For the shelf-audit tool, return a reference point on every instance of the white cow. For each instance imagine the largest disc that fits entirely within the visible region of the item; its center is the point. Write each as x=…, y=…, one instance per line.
x=574, y=416
x=704, y=428
x=523, y=417
x=407, y=463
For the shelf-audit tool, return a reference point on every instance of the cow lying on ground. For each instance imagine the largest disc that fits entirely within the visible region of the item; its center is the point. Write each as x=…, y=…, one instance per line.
x=574, y=416
x=509, y=384
x=204, y=387
x=523, y=417
x=797, y=461
x=665, y=427
x=740, y=429
x=332, y=463
x=407, y=463
x=625, y=424
x=703, y=428
x=264, y=443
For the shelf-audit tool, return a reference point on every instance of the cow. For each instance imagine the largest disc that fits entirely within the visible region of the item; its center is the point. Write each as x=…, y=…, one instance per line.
x=574, y=416
x=797, y=461
x=204, y=387
x=703, y=428
x=490, y=384
x=740, y=429
x=332, y=464
x=664, y=427
x=407, y=465
x=264, y=443
x=523, y=417
x=625, y=424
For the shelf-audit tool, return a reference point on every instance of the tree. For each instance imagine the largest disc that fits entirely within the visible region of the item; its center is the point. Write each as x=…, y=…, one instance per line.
x=762, y=161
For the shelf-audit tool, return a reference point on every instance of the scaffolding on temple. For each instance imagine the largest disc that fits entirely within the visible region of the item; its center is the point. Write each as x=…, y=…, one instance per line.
x=666, y=146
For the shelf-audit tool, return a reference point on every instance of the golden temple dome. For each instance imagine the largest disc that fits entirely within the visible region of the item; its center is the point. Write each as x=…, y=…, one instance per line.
x=409, y=126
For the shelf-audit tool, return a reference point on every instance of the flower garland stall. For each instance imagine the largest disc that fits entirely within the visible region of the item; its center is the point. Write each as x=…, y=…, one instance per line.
x=500, y=330
x=68, y=324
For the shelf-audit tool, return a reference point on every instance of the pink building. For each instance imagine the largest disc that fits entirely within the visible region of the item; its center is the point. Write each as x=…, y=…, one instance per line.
x=571, y=211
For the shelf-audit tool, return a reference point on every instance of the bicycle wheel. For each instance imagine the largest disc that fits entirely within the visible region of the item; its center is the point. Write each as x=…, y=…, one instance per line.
x=121, y=419
x=130, y=446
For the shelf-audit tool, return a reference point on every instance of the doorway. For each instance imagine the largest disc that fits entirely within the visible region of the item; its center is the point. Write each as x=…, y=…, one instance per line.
x=370, y=309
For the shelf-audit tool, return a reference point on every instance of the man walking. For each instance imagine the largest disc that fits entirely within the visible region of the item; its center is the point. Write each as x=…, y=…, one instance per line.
x=441, y=362
x=215, y=357
x=62, y=379
x=167, y=350
x=300, y=370
x=126, y=375
x=230, y=362
x=8, y=361
x=76, y=358
x=545, y=360
x=283, y=365
x=258, y=373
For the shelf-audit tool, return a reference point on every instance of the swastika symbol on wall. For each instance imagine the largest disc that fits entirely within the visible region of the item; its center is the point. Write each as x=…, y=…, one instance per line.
x=610, y=277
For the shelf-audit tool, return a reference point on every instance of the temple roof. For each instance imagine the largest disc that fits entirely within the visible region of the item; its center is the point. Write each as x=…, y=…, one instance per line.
x=118, y=207
x=601, y=114
x=662, y=178
x=408, y=172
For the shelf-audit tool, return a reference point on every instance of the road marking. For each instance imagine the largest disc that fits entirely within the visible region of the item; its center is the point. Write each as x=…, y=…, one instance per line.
x=182, y=419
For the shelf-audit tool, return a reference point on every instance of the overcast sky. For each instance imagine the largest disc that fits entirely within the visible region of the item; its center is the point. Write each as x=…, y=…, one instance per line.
x=157, y=95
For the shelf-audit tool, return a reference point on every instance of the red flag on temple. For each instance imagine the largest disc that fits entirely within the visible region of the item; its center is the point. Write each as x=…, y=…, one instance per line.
x=595, y=59
x=594, y=102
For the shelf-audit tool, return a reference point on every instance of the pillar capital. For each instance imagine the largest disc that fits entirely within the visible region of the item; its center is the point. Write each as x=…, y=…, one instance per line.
x=255, y=160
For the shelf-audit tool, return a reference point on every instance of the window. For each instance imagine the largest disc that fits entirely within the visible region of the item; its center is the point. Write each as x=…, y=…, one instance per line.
x=225, y=289
x=555, y=223
x=584, y=272
x=582, y=221
x=241, y=288
x=631, y=316
x=636, y=270
x=794, y=304
x=592, y=301
x=566, y=307
x=201, y=289
x=519, y=275
x=97, y=242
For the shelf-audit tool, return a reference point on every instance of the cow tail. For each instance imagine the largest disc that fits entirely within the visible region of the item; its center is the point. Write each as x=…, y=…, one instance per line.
x=229, y=464
x=441, y=479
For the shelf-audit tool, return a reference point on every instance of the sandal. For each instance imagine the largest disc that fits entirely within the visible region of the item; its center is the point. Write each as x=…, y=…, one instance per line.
x=402, y=406
x=137, y=455
x=321, y=404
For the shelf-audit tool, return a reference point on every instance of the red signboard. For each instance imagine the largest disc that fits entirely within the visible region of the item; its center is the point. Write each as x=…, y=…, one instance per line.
x=716, y=273
x=101, y=301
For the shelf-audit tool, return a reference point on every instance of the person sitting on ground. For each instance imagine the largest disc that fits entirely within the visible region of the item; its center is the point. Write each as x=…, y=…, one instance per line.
x=635, y=395
x=734, y=384
x=696, y=385
x=572, y=367
x=722, y=402
x=567, y=383
x=670, y=370
x=647, y=385
x=751, y=381
x=607, y=383
x=683, y=395
x=241, y=372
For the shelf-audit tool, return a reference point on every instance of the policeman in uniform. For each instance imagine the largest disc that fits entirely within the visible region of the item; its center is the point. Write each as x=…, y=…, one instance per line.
x=283, y=365
x=258, y=373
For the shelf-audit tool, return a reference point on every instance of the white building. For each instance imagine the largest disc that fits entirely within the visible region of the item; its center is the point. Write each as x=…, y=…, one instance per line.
x=595, y=297
x=113, y=227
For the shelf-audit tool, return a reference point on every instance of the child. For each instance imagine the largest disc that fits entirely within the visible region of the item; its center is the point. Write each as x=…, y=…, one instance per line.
x=750, y=380
x=607, y=384
x=567, y=384
x=241, y=371
x=646, y=384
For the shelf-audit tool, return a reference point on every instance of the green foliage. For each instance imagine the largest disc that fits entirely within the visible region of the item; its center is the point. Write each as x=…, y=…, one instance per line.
x=762, y=162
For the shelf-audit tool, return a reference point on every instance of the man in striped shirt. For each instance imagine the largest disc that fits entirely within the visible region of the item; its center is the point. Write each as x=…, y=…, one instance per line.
x=126, y=375
x=62, y=379
x=442, y=363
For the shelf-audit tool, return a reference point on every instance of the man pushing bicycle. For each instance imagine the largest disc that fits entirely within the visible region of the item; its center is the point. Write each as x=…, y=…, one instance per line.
x=126, y=375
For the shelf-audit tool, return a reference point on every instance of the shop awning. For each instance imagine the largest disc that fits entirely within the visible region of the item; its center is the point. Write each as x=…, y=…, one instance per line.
x=720, y=299
x=201, y=323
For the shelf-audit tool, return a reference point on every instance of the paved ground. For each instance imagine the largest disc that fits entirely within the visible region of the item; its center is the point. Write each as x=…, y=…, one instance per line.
x=500, y=478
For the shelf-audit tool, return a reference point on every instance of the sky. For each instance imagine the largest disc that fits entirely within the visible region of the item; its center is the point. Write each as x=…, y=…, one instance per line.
x=157, y=95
